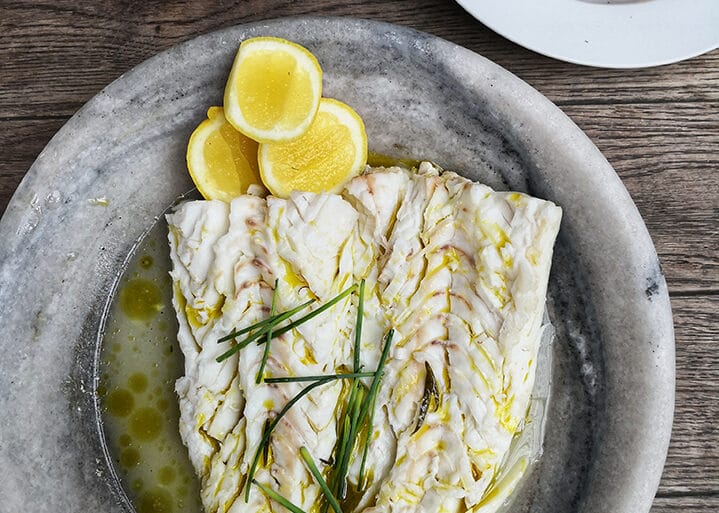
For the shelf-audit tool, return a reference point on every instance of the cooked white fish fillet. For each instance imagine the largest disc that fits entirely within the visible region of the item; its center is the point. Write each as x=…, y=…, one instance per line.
x=458, y=270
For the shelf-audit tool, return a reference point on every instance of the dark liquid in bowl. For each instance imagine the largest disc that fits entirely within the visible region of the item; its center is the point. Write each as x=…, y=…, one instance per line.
x=139, y=363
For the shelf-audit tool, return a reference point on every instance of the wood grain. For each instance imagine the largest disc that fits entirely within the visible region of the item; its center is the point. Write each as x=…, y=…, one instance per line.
x=692, y=466
x=658, y=127
x=83, y=46
x=686, y=504
x=668, y=158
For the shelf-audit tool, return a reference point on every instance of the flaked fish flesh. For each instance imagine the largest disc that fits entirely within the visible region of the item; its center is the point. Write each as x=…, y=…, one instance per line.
x=458, y=270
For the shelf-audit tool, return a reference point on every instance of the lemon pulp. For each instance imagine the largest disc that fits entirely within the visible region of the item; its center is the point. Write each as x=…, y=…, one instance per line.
x=282, y=98
x=221, y=160
x=273, y=90
x=331, y=152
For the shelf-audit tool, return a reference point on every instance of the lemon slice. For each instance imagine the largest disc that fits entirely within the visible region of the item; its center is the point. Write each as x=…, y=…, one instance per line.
x=273, y=89
x=222, y=161
x=333, y=150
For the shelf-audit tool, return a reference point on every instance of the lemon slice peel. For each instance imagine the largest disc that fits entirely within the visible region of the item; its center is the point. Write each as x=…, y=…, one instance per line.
x=273, y=90
x=222, y=161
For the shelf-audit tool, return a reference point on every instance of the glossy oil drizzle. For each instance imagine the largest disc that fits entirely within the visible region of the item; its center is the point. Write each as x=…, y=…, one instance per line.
x=140, y=361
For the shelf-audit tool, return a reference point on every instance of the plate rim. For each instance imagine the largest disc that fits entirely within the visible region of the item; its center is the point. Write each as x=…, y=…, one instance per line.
x=470, y=6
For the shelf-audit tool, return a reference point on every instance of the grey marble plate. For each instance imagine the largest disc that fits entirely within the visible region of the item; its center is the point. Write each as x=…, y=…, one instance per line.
x=422, y=97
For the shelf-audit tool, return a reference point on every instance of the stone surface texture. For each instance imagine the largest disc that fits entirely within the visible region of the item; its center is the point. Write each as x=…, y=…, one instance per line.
x=62, y=251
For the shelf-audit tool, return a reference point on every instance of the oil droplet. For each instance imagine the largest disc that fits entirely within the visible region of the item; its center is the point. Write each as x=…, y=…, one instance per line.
x=137, y=345
x=129, y=457
x=120, y=402
x=140, y=299
x=352, y=500
x=167, y=475
x=155, y=500
x=146, y=423
x=137, y=484
x=146, y=261
x=137, y=382
x=379, y=159
x=102, y=201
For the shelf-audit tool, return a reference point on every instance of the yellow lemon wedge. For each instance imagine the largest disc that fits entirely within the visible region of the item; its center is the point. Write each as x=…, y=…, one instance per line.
x=273, y=89
x=222, y=161
x=333, y=151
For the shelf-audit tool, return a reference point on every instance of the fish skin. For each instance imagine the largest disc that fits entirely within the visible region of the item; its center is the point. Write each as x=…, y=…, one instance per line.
x=458, y=270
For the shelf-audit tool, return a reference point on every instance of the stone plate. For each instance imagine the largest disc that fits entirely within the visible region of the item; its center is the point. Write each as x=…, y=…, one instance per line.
x=62, y=250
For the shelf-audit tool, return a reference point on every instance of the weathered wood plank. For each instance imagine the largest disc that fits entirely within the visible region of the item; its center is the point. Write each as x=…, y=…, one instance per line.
x=59, y=54
x=692, y=465
x=686, y=504
x=668, y=157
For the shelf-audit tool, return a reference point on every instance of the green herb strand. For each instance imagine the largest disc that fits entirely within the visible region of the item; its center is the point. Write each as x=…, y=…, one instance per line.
x=339, y=453
x=374, y=387
x=346, y=429
x=360, y=406
x=275, y=319
x=344, y=446
x=299, y=379
x=279, y=499
x=266, y=448
x=371, y=401
x=357, y=409
x=320, y=480
x=368, y=436
x=292, y=325
x=358, y=327
x=354, y=429
x=266, y=352
x=266, y=436
x=344, y=450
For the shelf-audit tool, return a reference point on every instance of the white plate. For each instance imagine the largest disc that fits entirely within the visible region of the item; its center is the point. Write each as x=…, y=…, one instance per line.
x=605, y=33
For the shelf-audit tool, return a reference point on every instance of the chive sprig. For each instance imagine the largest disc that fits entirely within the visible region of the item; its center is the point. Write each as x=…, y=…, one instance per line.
x=358, y=414
x=281, y=331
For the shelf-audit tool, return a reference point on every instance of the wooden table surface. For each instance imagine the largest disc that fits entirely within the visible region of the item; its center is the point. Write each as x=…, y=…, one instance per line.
x=658, y=127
